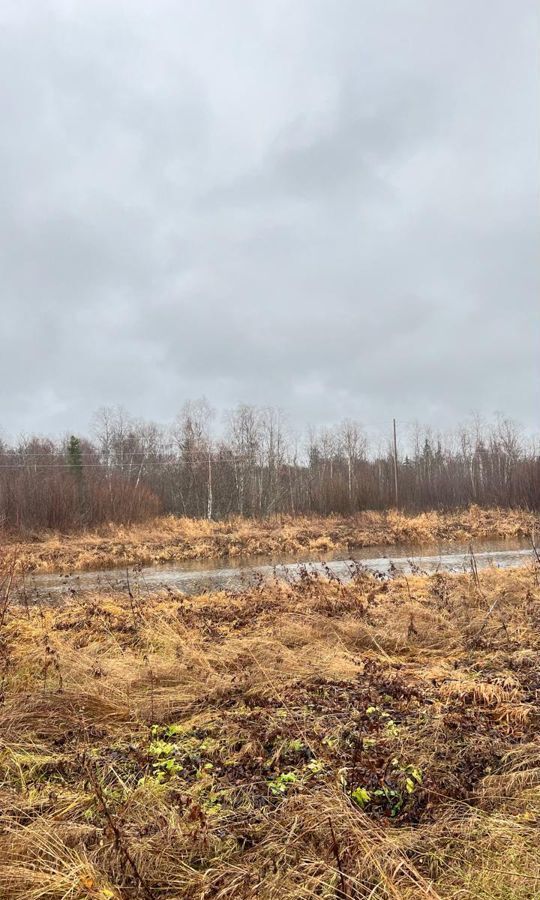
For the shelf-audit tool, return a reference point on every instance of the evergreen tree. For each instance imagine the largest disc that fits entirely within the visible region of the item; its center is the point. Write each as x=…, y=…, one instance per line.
x=74, y=454
x=75, y=462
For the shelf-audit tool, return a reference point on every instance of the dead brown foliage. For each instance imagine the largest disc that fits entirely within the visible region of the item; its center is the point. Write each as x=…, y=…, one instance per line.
x=374, y=739
x=173, y=539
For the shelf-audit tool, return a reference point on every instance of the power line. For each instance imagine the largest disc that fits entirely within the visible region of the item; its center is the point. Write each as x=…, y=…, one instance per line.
x=113, y=466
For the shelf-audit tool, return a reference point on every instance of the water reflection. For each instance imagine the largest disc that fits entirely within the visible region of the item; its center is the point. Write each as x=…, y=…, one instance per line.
x=199, y=576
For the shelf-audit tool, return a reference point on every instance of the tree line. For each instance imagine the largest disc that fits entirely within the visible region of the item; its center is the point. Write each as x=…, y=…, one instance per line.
x=130, y=470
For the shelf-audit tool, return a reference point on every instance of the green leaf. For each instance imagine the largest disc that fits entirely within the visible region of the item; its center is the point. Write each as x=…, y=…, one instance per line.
x=361, y=797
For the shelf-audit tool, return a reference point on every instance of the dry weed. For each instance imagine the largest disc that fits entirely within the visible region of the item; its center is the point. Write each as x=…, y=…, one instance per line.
x=355, y=741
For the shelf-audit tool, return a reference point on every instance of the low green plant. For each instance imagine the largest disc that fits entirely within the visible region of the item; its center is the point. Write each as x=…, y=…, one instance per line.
x=384, y=719
x=392, y=795
x=294, y=746
x=361, y=797
x=315, y=766
x=165, y=765
x=281, y=784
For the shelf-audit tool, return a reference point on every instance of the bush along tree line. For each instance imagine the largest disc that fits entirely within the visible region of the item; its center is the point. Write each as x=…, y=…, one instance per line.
x=130, y=470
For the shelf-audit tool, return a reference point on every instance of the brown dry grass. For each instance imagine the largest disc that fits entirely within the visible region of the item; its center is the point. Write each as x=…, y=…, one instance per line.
x=173, y=748
x=172, y=539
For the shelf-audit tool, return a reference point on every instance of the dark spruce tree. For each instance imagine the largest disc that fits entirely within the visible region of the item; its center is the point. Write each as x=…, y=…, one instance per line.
x=75, y=462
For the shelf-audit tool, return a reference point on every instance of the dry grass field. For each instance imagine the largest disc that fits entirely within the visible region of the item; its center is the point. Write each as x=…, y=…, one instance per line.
x=172, y=539
x=368, y=740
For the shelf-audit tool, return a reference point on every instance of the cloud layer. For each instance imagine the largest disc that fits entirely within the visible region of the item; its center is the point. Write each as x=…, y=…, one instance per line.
x=327, y=207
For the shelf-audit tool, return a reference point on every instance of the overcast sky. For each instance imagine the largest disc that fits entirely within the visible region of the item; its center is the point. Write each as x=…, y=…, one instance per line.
x=330, y=207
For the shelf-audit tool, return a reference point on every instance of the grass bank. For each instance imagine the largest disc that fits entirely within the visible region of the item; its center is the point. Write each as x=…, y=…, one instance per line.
x=374, y=739
x=172, y=539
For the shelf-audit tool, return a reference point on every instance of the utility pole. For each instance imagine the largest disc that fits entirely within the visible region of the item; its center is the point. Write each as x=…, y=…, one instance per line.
x=210, y=497
x=396, y=492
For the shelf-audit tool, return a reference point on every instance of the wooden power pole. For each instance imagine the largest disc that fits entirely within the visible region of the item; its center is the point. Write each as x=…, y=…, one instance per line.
x=396, y=490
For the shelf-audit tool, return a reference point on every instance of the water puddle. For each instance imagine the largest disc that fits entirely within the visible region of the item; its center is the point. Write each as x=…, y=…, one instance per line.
x=196, y=577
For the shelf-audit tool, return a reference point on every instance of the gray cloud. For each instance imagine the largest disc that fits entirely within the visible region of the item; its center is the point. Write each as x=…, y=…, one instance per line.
x=331, y=208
